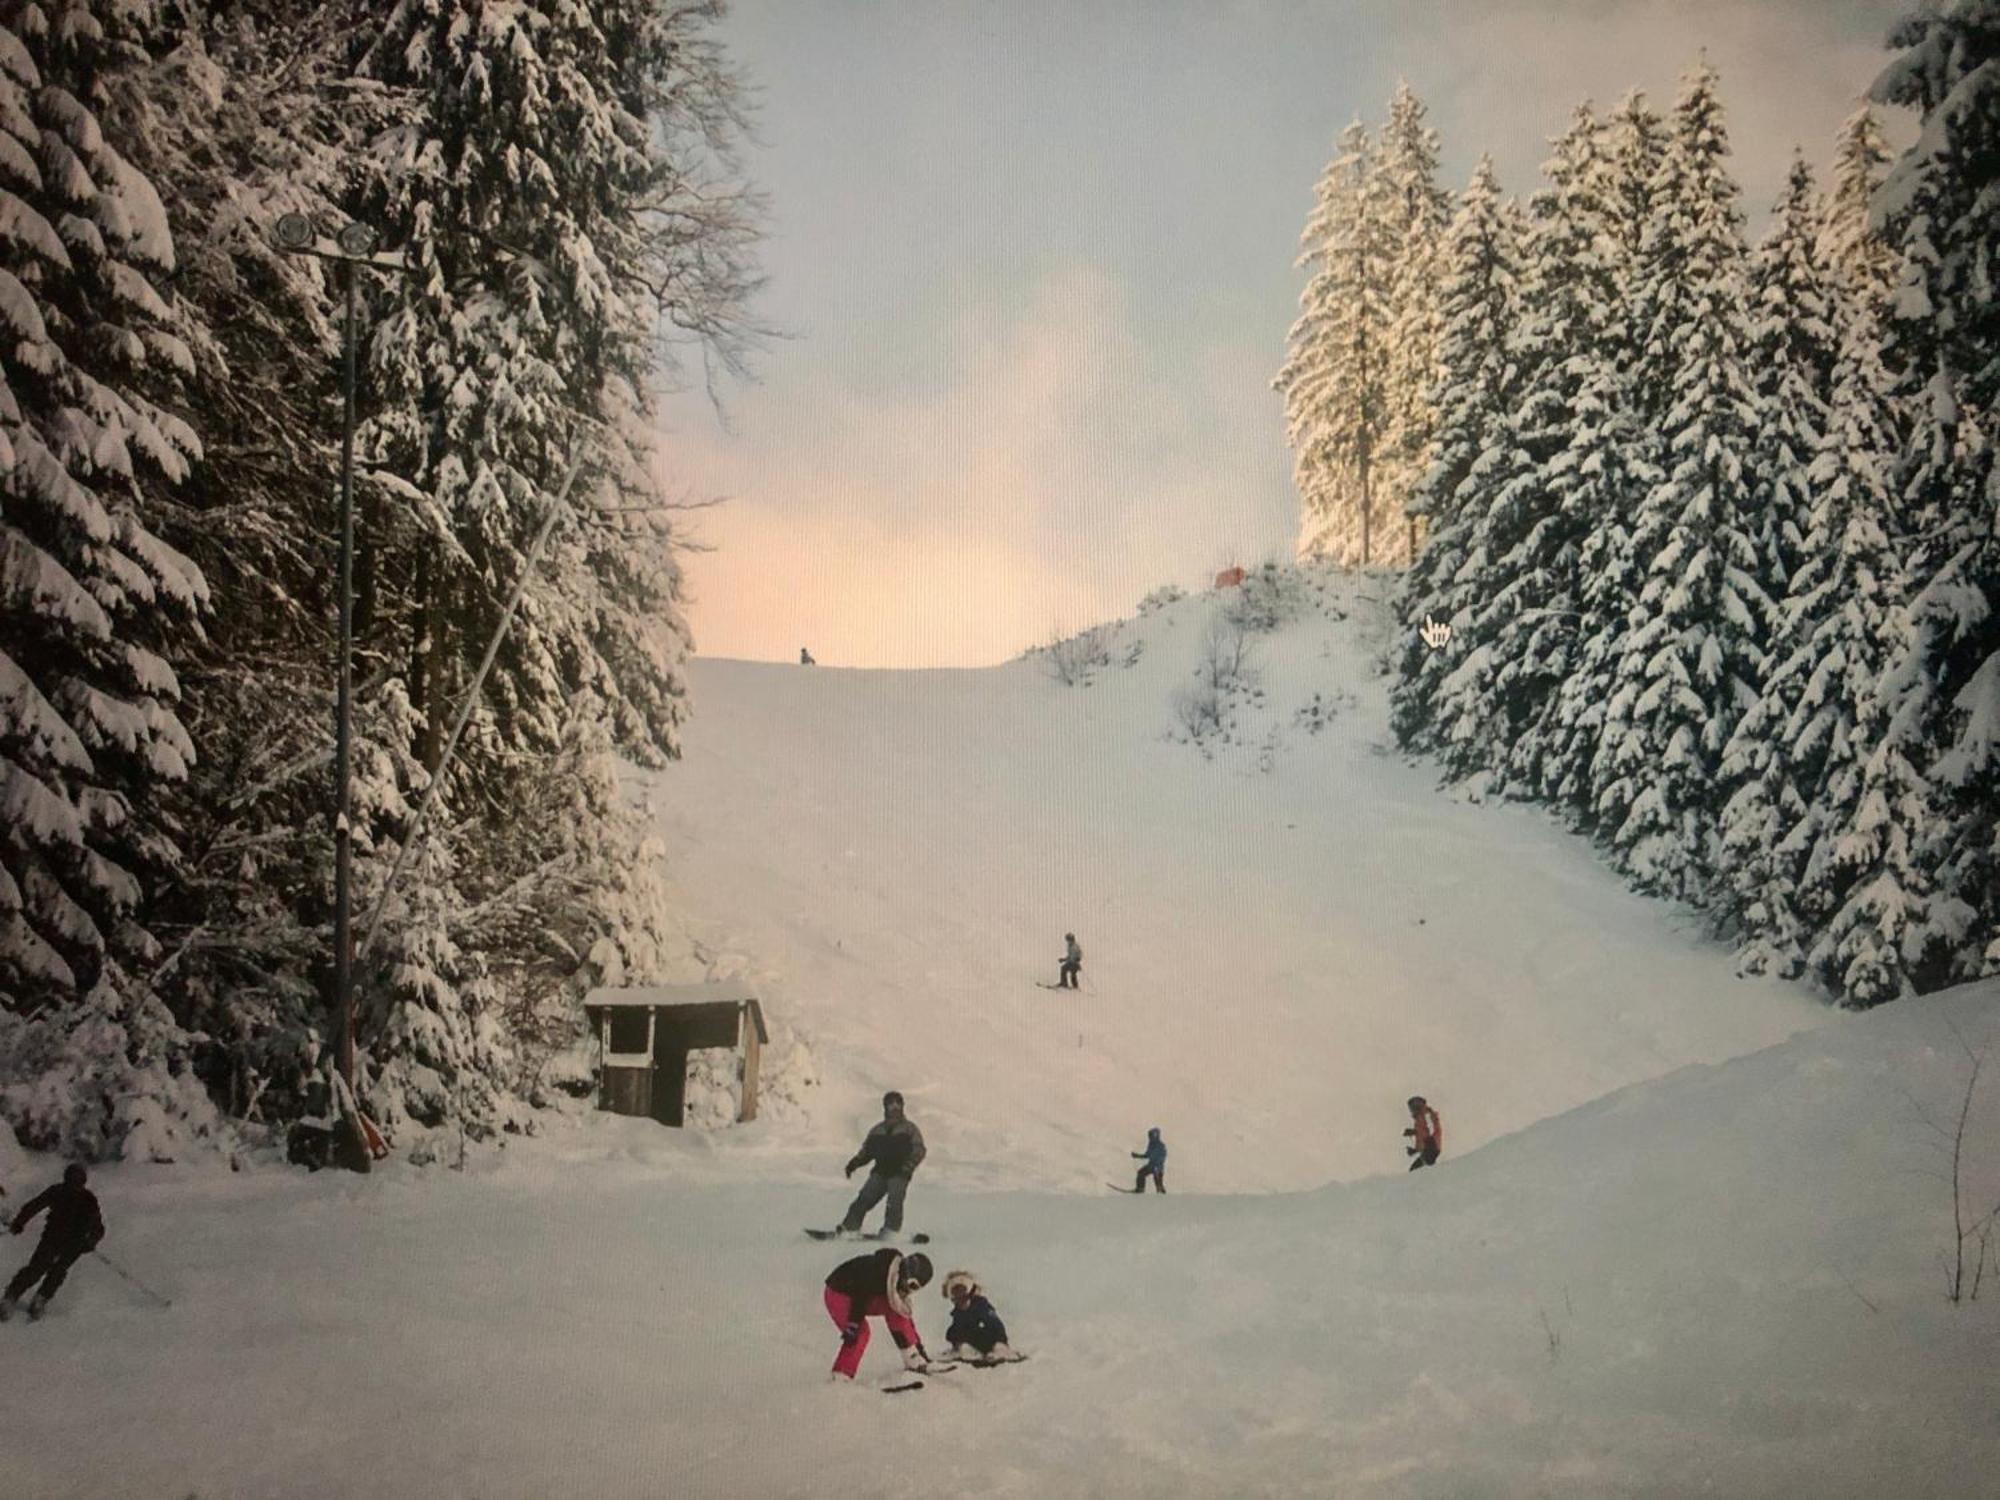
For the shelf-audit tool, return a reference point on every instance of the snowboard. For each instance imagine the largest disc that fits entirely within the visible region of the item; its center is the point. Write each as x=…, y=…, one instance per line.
x=1114, y=1188
x=878, y=1235
x=1043, y=985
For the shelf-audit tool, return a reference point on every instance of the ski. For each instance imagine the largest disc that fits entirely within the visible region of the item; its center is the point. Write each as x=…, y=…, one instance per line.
x=1117, y=1189
x=975, y=1363
x=892, y=1235
x=824, y=1234
x=897, y=1390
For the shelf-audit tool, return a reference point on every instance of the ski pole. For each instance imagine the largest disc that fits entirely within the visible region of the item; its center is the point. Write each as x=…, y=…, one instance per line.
x=135, y=1281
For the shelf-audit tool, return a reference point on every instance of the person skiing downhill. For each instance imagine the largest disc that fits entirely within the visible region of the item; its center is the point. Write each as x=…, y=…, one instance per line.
x=896, y=1148
x=1072, y=963
x=74, y=1228
x=1155, y=1166
x=976, y=1333
x=877, y=1286
x=1428, y=1133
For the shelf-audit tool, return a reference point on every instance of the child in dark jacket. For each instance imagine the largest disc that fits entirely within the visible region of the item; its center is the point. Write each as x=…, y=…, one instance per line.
x=1155, y=1157
x=73, y=1229
x=976, y=1335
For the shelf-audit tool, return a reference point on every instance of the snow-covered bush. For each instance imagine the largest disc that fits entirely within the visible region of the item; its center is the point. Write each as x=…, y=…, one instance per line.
x=1072, y=659
x=1161, y=597
x=1269, y=596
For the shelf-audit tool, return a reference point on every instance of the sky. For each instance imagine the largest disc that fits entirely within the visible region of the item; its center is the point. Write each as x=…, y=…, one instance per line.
x=1030, y=271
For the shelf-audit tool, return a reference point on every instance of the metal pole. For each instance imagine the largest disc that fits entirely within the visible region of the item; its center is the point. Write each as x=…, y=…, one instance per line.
x=343, y=836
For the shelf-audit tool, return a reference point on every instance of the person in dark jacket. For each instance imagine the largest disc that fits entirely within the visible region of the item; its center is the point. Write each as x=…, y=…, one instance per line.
x=1072, y=963
x=892, y=1152
x=1155, y=1166
x=876, y=1286
x=73, y=1229
x=976, y=1333
x=1428, y=1133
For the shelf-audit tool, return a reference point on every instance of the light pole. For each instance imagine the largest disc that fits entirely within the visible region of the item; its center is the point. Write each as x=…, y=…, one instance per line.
x=353, y=246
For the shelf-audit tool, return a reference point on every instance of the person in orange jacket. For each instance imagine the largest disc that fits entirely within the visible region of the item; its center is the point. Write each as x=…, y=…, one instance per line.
x=1427, y=1132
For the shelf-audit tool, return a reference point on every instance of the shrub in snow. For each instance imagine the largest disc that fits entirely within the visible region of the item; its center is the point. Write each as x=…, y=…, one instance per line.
x=1072, y=659
x=1269, y=596
x=1161, y=597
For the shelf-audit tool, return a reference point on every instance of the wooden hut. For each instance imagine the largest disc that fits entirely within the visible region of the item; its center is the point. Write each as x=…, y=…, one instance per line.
x=644, y=1036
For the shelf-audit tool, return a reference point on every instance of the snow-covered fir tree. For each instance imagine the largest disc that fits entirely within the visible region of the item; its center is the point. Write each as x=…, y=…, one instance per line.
x=1540, y=519
x=1334, y=379
x=1474, y=395
x=539, y=180
x=1418, y=211
x=1691, y=659
x=96, y=605
x=1929, y=809
x=1841, y=621
x=1617, y=455
x=1793, y=309
x=1851, y=247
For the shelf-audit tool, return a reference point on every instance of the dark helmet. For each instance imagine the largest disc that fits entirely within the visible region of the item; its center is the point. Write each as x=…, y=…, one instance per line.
x=74, y=1175
x=1153, y=1133
x=1069, y=937
x=1416, y=1101
x=892, y=1097
x=916, y=1270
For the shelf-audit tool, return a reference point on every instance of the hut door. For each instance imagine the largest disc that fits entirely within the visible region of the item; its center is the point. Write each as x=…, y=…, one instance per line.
x=670, y=1073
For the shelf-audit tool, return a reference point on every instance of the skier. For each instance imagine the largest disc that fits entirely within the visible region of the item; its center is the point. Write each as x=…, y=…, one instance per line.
x=1155, y=1156
x=1072, y=962
x=876, y=1286
x=976, y=1335
x=1428, y=1133
x=74, y=1227
x=806, y=658
x=896, y=1147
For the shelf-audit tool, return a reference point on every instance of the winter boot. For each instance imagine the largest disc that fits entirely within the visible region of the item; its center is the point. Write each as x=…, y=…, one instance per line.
x=6, y=1308
x=39, y=1306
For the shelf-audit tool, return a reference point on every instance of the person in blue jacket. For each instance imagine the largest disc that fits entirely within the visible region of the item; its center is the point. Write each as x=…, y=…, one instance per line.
x=976, y=1335
x=1155, y=1155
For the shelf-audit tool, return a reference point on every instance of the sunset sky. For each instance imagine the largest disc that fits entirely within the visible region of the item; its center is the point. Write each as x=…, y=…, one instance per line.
x=1032, y=265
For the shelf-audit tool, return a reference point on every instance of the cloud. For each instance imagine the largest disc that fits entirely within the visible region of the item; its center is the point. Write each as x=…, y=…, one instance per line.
x=1048, y=474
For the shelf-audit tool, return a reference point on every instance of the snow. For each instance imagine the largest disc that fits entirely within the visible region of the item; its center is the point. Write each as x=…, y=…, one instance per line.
x=1683, y=1239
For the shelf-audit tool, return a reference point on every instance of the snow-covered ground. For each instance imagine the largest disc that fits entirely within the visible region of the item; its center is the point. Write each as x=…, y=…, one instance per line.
x=1686, y=1238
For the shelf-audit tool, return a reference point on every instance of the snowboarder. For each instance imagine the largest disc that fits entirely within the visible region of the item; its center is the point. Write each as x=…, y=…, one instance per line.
x=1155, y=1156
x=896, y=1148
x=976, y=1332
x=74, y=1228
x=806, y=658
x=876, y=1286
x=1428, y=1133
x=1072, y=963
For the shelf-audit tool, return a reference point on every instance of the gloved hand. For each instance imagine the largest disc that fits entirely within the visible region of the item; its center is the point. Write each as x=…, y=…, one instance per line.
x=1409, y=1151
x=851, y=1332
x=1411, y=1131
x=914, y=1358
x=848, y=1171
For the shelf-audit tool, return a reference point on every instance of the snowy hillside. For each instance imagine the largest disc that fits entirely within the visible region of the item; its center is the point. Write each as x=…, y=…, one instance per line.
x=1725, y=1281
x=1285, y=933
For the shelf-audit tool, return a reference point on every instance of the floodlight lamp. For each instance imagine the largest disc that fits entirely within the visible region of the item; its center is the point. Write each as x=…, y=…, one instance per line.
x=293, y=231
x=356, y=239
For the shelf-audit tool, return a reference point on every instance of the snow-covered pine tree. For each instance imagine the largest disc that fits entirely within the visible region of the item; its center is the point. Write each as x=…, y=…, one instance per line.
x=1851, y=248
x=1936, y=768
x=1474, y=396
x=1418, y=211
x=1539, y=520
x=1691, y=663
x=1842, y=621
x=1334, y=379
x=1793, y=346
x=561, y=181
x=1616, y=453
x=246, y=122
x=94, y=602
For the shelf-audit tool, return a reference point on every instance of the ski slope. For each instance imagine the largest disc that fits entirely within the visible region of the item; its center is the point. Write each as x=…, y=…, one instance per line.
x=1281, y=942
x=1686, y=1238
